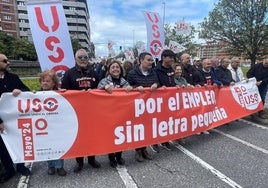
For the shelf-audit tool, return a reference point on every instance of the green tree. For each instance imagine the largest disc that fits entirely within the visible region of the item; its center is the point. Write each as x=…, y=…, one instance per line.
x=23, y=49
x=242, y=24
x=15, y=48
x=6, y=44
x=76, y=45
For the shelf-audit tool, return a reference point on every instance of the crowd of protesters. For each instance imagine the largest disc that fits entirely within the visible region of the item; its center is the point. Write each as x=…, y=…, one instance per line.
x=110, y=74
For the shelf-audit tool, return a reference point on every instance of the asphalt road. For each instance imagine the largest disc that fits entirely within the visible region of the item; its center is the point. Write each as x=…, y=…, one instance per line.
x=233, y=155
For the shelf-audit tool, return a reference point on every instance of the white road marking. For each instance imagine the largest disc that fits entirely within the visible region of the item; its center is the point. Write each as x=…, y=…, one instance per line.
x=210, y=168
x=254, y=124
x=127, y=179
x=241, y=141
x=24, y=180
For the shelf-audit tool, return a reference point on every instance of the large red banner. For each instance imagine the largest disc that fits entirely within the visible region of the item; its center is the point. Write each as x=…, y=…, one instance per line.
x=51, y=125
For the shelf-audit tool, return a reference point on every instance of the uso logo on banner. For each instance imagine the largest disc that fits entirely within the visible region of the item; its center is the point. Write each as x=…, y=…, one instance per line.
x=45, y=130
x=247, y=97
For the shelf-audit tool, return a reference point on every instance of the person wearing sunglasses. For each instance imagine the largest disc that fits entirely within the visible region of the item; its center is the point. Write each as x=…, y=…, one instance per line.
x=9, y=82
x=81, y=77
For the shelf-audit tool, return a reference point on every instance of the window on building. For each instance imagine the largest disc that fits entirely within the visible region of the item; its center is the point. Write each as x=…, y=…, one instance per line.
x=8, y=26
x=21, y=4
x=22, y=12
x=7, y=17
x=6, y=8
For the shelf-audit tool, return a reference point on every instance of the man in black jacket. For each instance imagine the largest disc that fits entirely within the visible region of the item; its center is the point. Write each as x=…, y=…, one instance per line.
x=9, y=83
x=260, y=72
x=204, y=76
x=81, y=77
x=139, y=77
x=188, y=69
x=223, y=74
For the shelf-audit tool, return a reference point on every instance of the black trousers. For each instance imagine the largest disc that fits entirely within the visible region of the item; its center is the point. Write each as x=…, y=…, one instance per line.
x=6, y=159
x=113, y=156
x=80, y=160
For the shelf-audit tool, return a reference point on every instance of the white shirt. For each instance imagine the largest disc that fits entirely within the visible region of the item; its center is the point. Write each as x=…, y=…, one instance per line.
x=239, y=72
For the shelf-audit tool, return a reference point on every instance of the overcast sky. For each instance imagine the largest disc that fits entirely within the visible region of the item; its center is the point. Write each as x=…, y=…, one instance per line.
x=122, y=21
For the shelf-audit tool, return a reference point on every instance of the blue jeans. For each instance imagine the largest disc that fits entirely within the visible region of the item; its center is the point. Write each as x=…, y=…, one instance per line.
x=55, y=163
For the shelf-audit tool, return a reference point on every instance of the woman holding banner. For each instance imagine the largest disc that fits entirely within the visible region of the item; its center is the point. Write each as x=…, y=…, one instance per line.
x=49, y=81
x=113, y=80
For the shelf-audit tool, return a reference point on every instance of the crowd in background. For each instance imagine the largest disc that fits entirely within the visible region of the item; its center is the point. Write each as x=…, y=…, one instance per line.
x=145, y=71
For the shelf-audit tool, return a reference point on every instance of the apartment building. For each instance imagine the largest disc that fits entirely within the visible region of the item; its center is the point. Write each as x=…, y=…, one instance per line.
x=8, y=19
x=212, y=49
x=14, y=19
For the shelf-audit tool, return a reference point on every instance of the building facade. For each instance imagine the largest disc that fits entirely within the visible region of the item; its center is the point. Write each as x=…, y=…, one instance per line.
x=14, y=20
x=8, y=19
x=212, y=49
x=77, y=15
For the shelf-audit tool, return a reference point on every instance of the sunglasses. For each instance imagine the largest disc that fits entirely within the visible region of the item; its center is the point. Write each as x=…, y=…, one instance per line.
x=4, y=60
x=82, y=57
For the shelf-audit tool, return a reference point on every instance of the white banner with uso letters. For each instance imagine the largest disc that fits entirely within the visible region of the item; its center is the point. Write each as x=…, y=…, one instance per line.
x=51, y=35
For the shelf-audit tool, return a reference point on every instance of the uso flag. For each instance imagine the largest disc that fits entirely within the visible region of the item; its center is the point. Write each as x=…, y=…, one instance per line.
x=50, y=35
x=155, y=33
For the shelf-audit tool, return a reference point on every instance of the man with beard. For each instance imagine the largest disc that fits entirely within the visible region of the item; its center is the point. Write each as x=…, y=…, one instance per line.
x=188, y=69
x=9, y=83
x=81, y=77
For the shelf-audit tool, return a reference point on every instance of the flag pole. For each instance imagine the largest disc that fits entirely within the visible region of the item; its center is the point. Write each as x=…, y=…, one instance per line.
x=164, y=12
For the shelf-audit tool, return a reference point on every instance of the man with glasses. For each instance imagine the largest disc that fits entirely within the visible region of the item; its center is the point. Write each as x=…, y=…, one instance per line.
x=81, y=77
x=196, y=63
x=9, y=83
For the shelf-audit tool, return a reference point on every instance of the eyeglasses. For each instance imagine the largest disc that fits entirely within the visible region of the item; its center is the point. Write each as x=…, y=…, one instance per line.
x=82, y=57
x=4, y=61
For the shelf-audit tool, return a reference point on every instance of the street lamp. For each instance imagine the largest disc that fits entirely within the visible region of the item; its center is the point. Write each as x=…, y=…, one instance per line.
x=164, y=12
